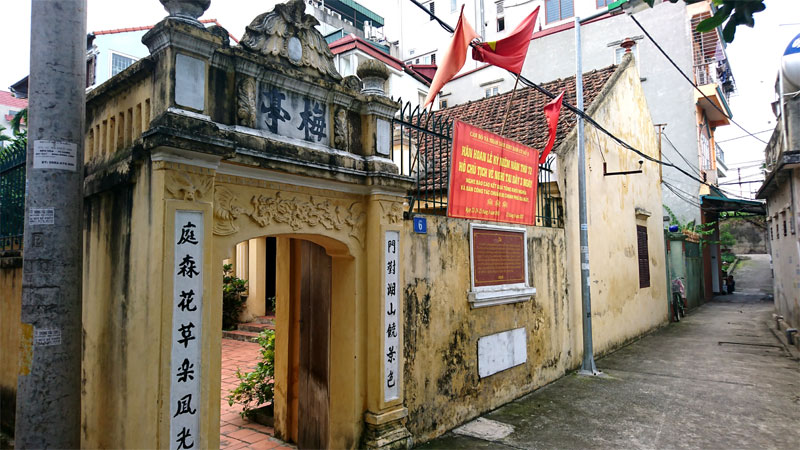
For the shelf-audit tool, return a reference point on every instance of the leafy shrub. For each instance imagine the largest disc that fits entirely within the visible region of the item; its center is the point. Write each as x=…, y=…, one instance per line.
x=256, y=388
x=232, y=298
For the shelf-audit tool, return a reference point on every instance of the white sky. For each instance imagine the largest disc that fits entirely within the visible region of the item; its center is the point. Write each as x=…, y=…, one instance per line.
x=754, y=55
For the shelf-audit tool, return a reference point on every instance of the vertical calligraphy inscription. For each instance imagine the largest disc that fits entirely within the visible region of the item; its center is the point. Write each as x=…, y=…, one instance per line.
x=391, y=343
x=187, y=301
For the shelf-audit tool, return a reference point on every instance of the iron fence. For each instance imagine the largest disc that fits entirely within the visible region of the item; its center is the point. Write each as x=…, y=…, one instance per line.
x=421, y=145
x=12, y=196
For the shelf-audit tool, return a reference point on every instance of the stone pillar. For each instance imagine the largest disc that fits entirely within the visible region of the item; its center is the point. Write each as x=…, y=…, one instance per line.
x=257, y=279
x=386, y=415
x=379, y=111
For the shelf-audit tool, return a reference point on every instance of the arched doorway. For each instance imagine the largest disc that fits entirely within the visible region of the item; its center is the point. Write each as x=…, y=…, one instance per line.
x=312, y=275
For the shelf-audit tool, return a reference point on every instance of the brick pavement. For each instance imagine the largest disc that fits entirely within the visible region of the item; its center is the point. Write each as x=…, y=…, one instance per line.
x=235, y=432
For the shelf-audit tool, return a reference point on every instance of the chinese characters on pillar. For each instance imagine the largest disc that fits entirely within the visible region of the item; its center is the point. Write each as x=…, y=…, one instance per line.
x=391, y=339
x=187, y=301
x=290, y=114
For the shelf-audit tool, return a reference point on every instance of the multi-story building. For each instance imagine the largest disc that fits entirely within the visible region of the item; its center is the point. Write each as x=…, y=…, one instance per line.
x=9, y=107
x=781, y=190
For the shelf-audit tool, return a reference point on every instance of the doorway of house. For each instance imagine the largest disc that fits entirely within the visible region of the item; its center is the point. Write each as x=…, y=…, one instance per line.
x=305, y=268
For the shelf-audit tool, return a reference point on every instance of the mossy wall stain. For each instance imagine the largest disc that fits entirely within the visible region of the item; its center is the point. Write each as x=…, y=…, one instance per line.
x=442, y=386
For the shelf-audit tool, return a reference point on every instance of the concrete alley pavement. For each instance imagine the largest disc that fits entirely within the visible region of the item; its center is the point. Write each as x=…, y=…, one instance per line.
x=718, y=379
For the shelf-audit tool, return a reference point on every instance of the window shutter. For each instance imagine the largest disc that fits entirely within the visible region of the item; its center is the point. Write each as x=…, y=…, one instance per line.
x=551, y=9
x=644, y=257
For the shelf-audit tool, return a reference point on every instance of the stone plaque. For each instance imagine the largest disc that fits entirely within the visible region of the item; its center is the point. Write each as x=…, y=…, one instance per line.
x=190, y=82
x=498, y=257
x=391, y=343
x=288, y=113
x=187, y=318
x=501, y=351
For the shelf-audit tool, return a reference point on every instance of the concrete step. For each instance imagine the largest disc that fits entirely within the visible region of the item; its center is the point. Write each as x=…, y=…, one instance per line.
x=256, y=327
x=264, y=319
x=239, y=335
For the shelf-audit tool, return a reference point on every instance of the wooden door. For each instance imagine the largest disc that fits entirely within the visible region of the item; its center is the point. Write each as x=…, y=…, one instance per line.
x=315, y=313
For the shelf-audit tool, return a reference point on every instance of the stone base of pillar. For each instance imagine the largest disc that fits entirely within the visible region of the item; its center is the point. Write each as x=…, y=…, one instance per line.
x=387, y=431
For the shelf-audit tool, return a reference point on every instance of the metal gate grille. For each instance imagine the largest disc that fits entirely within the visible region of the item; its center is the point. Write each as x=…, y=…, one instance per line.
x=12, y=196
x=421, y=146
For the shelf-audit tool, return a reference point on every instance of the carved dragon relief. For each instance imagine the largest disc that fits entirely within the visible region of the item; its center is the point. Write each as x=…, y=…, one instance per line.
x=246, y=108
x=186, y=186
x=225, y=212
x=289, y=32
x=294, y=212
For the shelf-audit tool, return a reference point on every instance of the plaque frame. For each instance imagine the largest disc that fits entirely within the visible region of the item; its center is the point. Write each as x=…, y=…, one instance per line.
x=482, y=296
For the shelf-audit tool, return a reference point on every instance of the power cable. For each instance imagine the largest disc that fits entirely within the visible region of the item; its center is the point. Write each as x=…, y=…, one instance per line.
x=692, y=82
x=696, y=170
x=746, y=135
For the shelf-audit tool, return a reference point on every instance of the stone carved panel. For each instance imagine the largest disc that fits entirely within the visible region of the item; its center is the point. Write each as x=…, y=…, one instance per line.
x=392, y=212
x=225, y=212
x=188, y=186
x=288, y=32
x=296, y=212
x=341, y=129
x=246, y=108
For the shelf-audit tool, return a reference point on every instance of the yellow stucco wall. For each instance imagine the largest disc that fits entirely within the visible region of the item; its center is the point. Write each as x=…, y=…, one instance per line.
x=442, y=384
x=620, y=309
x=10, y=310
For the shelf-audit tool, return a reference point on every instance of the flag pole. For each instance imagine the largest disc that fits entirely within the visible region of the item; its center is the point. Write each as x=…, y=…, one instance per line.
x=508, y=107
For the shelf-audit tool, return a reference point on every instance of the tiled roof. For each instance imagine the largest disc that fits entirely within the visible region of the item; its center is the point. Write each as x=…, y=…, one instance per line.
x=148, y=27
x=8, y=99
x=351, y=42
x=526, y=121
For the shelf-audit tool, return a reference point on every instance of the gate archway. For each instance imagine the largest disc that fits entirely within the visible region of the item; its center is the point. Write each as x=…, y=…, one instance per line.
x=204, y=144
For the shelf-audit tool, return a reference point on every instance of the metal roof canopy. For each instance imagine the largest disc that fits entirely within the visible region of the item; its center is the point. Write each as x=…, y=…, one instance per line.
x=352, y=10
x=716, y=204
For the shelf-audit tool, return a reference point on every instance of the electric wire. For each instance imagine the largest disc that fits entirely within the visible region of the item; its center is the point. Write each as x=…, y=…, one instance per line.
x=572, y=108
x=743, y=136
x=692, y=166
x=692, y=82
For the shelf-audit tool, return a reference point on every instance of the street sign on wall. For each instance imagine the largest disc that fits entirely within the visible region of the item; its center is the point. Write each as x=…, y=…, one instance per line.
x=491, y=178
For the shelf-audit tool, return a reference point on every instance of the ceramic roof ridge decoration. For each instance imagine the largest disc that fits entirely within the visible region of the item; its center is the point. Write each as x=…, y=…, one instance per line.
x=288, y=32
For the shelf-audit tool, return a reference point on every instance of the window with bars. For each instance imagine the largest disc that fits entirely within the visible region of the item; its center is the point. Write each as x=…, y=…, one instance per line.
x=644, y=256
x=120, y=63
x=556, y=10
x=432, y=8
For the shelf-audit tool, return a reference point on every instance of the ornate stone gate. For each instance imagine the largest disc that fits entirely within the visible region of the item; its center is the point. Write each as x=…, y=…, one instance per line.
x=203, y=145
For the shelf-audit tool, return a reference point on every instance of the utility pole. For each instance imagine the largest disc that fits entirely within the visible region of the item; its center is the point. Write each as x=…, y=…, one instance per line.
x=49, y=386
x=587, y=366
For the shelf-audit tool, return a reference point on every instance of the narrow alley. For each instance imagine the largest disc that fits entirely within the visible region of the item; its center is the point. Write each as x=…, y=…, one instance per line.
x=718, y=379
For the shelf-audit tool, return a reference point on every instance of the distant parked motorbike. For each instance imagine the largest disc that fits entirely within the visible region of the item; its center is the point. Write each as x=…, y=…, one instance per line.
x=678, y=300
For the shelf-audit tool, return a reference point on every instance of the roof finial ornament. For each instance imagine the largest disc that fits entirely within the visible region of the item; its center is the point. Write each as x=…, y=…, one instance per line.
x=186, y=10
x=287, y=32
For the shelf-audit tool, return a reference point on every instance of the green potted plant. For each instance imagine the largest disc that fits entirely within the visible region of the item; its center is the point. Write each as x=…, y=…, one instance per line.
x=255, y=391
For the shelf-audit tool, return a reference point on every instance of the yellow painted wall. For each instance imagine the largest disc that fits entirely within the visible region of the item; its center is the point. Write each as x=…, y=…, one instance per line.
x=442, y=387
x=620, y=309
x=10, y=310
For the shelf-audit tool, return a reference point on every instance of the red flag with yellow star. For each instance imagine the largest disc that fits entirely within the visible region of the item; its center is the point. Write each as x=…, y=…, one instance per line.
x=509, y=52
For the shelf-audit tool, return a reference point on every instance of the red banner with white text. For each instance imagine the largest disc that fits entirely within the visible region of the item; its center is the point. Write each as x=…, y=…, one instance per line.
x=491, y=177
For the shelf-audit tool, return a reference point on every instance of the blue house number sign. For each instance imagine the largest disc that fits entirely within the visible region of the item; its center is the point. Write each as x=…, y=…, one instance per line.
x=420, y=225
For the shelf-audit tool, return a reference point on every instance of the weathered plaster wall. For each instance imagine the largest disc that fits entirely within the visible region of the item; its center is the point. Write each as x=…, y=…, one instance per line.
x=10, y=310
x=122, y=315
x=442, y=387
x=621, y=310
x=785, y=249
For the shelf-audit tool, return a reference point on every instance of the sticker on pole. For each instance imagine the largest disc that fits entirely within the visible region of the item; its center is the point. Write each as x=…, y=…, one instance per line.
x=41, y=216
x=55, y=155
x=45, y=337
